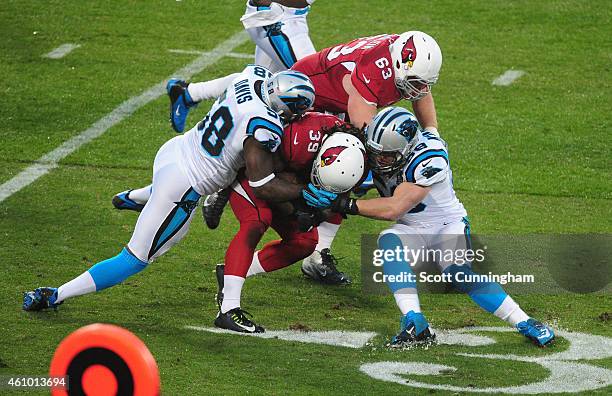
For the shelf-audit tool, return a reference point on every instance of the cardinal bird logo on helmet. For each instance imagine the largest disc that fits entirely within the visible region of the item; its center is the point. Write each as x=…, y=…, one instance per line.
x=409, y=52
x=331, y=154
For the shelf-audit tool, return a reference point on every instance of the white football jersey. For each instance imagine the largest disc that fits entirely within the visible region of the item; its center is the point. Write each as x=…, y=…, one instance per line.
x=267, y=15
x=427, y=166
x=211, y=153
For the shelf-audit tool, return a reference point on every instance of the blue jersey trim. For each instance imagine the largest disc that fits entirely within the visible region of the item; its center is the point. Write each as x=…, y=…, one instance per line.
x=420, y=158
x=282, y=46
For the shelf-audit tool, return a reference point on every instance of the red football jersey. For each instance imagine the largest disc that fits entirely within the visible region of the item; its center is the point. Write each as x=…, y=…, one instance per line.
x=302, y=139
x=366, y=59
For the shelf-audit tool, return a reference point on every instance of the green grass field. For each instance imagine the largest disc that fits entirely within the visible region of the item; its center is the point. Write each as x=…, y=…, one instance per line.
x=533, y=157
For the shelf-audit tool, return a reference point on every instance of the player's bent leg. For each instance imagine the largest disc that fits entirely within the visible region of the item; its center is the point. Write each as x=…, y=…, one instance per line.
x=401, y=281
x=293, y=246
x=211, y=89
x=162, y=223
x=255, y=217
x=490, y=296
x=180, y=103
x=132, y=199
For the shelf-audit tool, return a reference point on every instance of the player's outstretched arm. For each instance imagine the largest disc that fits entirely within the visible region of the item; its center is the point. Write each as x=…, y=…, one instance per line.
x=260, y=171
x=360, y=111
x=425, y=112
x=406, y=196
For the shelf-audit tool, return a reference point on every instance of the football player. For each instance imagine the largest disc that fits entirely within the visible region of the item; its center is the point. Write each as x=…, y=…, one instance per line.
x=357, y=78
x=279, y=30
x=242, y=129
x=339, y=165
x=413, y=176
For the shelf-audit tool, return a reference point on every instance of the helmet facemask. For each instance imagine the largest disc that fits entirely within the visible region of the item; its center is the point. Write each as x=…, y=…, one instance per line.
x=414, y=88
x=395, y=156
x=387, y=161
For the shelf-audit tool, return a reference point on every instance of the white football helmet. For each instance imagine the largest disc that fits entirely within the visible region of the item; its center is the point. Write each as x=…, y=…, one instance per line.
x=290, y=93
x=390, y=138
x=340, y=163
x=416, y=59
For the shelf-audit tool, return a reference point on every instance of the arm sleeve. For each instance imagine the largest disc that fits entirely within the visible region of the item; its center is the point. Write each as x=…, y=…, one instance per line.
x=365, y=85
x=428, y=169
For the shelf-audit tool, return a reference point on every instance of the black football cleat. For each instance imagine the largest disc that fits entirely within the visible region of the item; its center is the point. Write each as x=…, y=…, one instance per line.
x=213, y=206
x=236, y=320
x=219, y=272
x=321, y=267
x=414, y=330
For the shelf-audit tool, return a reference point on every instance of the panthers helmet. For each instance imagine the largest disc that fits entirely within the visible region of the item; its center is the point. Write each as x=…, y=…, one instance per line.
x=416, y=59
x=339, y=164
x=389, y=138
x=290, y=93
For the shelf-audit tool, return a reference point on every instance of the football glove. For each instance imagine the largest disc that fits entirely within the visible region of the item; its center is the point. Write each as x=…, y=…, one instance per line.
x=317, y=197
x=345, y=205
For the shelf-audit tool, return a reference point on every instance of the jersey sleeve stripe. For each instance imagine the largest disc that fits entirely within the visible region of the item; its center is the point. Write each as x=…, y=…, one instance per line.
x=257, y=122
x=410, y=177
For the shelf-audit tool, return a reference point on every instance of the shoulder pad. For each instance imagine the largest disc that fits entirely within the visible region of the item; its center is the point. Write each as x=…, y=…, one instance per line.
x=427, y=168
x=266, y=132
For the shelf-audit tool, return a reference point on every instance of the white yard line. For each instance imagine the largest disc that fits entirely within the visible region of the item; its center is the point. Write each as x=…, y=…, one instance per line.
x=508, y=77
x=50, y=160
x=62, y=51
x=196, y=52
x=349, y=339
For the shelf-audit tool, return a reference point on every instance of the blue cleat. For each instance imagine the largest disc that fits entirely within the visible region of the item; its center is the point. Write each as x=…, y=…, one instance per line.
x=122, y=201
x=537, y=332
x=180, y=103
x=39, y=299
x=414, y=329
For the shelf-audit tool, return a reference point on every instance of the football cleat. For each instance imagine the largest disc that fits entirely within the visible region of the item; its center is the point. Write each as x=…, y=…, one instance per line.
x=321, y=267
x=236, y=320
x=39, y=299
x=180, y=103
x=122, y=201
x=414, y=329
x=213, y=206
x=537, y=332
x=219, y=272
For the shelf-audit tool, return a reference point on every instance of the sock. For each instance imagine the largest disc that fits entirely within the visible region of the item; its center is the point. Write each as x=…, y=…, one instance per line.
x=255, y=267
x=82, y=284
x=232, y=288
x=210, y=89
x=407, y=300
x=510, y=311
x=327, y=233
x=141, y=195
x=115, y=270
x=404, y=291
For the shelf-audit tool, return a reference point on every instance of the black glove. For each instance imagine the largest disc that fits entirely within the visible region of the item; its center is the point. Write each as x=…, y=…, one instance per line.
x=307, y=220
x=345, y=205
